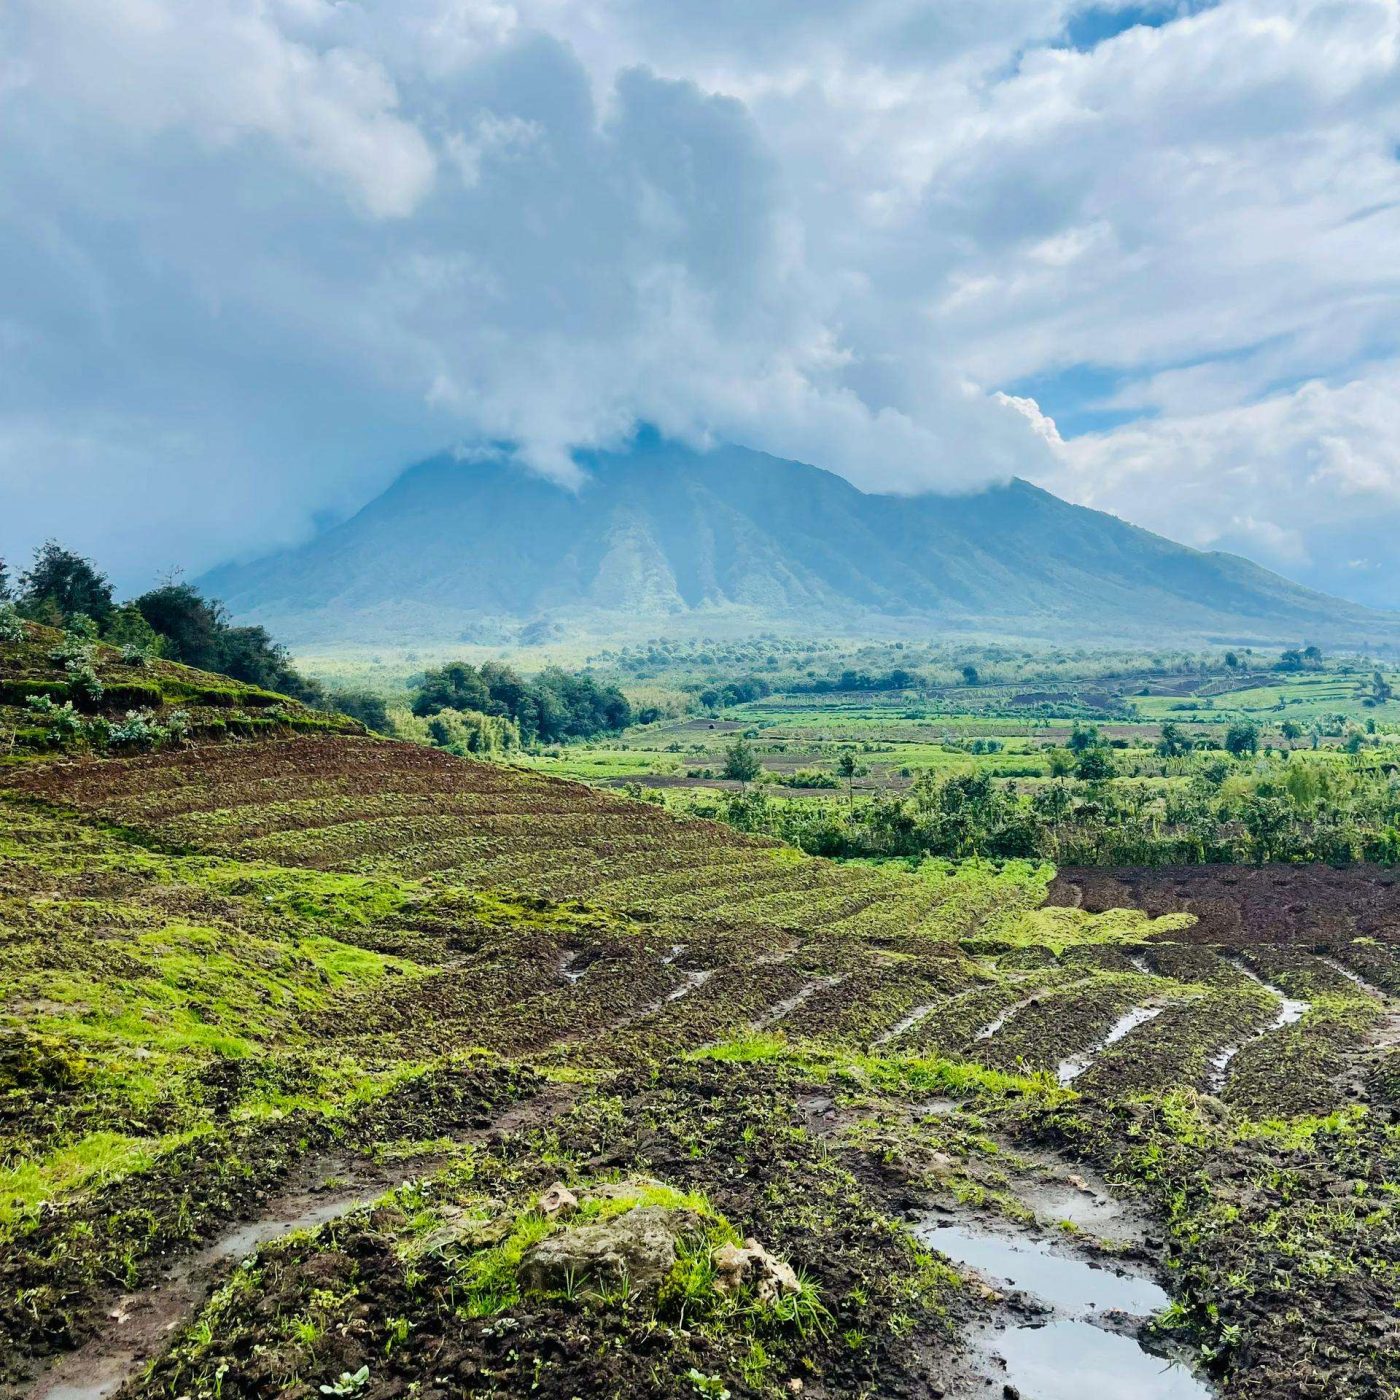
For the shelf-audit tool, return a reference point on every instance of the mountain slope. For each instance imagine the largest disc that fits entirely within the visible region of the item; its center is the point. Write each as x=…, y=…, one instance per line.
x=476, y=549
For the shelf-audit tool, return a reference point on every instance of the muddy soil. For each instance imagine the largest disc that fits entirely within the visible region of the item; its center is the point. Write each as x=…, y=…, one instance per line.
x=140, y=1324
x=1277, y=905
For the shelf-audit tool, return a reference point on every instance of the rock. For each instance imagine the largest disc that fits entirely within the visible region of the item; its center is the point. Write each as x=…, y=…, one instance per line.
x=636, y=1248
x=769, y=1275
x=558, y=1202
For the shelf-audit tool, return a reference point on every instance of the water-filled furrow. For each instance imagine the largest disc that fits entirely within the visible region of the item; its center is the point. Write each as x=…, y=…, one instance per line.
x=1351, y=975
x=1290, y=1011
x=998, y=1021
x=790, y=1004
x=909, y=1021
x=1074, y=1065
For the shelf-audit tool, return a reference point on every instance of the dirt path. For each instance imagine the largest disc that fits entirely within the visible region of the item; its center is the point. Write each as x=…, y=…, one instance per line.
x=137, y=1326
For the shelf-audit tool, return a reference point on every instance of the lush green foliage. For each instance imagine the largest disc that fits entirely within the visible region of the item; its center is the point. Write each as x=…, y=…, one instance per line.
x=548, y=708
x=1284, y=807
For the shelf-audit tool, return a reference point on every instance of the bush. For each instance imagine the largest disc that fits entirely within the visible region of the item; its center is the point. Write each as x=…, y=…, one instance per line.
x=466, y=732
x=61, y=722
x=138, y=731
x=11, y=627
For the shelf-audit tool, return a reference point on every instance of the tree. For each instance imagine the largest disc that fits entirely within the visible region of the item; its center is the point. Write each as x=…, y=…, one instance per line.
x=1242, y=737
x=1291, y=729
x=741, y=763
x=196, y=632
x=365, y=706
x=128, y=628
x=1231, y=660
x=4, y=582
x=456, y=686
x=1085, y=736
x=1094, y=766
x=1381, y=690
x=189, y=622
x=64, y=584
x=970, y=676
x=847, y=767
x=1174, y=741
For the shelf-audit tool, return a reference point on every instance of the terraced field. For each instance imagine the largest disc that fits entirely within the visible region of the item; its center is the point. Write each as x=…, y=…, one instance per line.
x=394, y=996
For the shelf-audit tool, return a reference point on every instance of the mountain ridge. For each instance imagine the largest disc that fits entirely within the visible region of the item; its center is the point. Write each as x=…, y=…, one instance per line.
x=484, y=550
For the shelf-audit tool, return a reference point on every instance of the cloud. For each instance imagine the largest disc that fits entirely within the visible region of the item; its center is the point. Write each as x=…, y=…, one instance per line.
x=280, y=247
x=1307, y=481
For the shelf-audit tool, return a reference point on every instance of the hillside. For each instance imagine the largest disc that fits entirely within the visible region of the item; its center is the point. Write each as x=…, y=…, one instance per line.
x=60, y=690
x=299, y=1032
x=663, y=536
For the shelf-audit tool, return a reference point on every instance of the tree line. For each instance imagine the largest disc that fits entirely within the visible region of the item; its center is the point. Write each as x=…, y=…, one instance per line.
x=1274, y=807
x=549, y=708
x=63, y=589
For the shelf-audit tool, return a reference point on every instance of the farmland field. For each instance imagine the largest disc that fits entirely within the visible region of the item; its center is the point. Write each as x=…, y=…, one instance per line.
x=299, y=1031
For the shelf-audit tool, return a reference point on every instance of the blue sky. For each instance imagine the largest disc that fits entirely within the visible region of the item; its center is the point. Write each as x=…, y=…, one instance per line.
x=257, y=255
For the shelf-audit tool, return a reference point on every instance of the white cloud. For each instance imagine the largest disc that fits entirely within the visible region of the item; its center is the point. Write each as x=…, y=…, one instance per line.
x=317, y=238
x=1297, y=480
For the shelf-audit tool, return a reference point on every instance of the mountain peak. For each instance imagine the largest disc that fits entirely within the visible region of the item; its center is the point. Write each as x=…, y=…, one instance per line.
x=474, y=546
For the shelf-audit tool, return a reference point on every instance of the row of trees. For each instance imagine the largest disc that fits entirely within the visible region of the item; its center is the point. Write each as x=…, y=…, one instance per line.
x=63, y=589
x=549, y=708
x=1289, y=808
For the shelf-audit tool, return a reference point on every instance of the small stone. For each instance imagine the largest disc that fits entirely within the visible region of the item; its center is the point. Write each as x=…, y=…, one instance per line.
x=1009, y=1392
x=558, y=1202
x=795, y=1385
x=753, y=1264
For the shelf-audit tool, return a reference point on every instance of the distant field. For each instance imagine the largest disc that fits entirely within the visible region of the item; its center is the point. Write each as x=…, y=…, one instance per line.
x=900, y=735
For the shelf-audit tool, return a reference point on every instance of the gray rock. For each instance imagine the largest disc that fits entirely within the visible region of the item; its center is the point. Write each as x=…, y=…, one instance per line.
x=637, y=1247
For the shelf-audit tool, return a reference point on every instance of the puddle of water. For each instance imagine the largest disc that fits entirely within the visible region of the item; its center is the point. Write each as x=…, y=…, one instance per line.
x=938, y=1108
x=1070, y=1069
x=1028, y=1264
x=1101, y=1215
x=676, y=950
x=1072, y=1360
x=1067, y=1357
x=1139, y=961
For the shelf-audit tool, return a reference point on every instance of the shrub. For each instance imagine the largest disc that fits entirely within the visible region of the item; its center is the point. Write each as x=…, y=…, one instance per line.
x=61, y=722
x=11, y=628
x=138, y=730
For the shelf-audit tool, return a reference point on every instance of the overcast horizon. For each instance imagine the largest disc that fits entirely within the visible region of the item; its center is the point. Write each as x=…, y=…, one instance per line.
x=261, y=255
